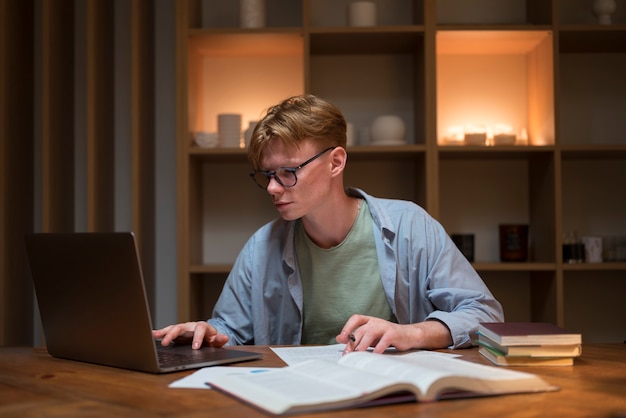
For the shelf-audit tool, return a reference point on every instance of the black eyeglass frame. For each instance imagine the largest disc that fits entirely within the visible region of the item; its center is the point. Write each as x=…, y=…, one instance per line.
x=273, y=173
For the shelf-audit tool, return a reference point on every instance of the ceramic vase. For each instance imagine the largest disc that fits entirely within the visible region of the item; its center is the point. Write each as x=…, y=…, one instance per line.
x=604, y=9
x=252, y=13
x=388, y=129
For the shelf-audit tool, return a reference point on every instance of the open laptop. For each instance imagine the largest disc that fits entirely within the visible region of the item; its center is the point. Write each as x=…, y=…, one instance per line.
x=93, y=305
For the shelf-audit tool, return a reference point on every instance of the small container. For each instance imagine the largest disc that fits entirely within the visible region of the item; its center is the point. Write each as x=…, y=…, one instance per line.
x=362, y=13
x=388, y=130
x=513, y=242
x=252, y=13
x=593, y=249
x=573, y=248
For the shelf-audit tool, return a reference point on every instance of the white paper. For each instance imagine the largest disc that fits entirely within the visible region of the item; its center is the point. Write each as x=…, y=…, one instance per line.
x=198, y=379
x=297, y=354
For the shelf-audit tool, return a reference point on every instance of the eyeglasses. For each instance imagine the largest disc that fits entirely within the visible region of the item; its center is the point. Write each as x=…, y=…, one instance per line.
x=285, y=176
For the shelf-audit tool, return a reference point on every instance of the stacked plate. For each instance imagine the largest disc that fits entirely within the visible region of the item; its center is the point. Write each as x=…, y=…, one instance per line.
x=229, y=129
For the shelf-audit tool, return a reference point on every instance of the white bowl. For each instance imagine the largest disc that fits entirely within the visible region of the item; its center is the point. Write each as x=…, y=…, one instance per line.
x=388, y=128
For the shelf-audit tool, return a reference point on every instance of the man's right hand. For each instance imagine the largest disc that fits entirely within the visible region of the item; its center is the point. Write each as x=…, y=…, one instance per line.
x=197, y=333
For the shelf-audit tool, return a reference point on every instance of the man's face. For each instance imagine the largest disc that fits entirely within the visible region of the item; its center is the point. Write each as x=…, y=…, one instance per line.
x=313, y=180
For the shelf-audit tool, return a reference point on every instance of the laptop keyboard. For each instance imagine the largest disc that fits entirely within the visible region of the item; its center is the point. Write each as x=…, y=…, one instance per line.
x=168, y=358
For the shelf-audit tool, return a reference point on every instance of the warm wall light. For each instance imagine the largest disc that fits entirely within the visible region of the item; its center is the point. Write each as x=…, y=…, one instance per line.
x=474, y=134
x=501, y=80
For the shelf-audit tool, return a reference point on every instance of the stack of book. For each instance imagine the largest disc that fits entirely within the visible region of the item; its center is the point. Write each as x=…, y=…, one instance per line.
x=528, y=344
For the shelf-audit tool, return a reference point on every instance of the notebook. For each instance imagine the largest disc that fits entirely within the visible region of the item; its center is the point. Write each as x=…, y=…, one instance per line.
x=93, y=305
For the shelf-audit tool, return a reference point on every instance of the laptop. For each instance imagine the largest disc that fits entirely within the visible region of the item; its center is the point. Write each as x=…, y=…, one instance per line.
x=93, y=305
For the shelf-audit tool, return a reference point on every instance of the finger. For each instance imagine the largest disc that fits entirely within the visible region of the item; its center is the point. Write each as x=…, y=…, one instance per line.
x=351, y=324
x=382, y=345
x=159, y=333
x=199, y=332
x=219, y=340
x=350, y=345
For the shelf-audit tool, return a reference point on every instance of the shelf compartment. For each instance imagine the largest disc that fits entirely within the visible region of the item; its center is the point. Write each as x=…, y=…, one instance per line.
x=219, y=205
x=525, y=295
x=581, y=12
x=225, y=14
x=492, y=78
x=490, y=12
x=371, y=74
x=586, y=301
x=471, y=190
x=205, y=288
x=593, y=202
x=389, y=175
x=334, y=13
x=241, y=73
x=592, y=96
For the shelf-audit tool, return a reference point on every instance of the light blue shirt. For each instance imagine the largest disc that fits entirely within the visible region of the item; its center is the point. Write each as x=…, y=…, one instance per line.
x=424, y=276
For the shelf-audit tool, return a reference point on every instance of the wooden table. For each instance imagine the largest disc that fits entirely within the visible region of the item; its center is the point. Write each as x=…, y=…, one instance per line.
x=34, y=384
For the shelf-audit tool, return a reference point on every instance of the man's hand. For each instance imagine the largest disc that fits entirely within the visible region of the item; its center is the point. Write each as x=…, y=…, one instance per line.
x=361, y=332
x=195, y=332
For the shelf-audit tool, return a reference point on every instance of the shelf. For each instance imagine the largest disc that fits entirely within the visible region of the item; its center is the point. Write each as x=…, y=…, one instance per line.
x=225, y=14
x=334, y=13
x=481, y=266
x=617, y=266
x=210, y=269
x=486, y=12
x=452, y=152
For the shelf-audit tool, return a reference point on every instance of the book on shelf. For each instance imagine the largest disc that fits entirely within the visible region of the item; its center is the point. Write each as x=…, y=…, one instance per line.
x=500, y=359
x=541, y=350
x=527, y=333
x=364, y=379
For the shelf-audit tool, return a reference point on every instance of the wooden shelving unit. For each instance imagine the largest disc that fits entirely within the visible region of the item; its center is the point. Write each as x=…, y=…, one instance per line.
x=566, y=177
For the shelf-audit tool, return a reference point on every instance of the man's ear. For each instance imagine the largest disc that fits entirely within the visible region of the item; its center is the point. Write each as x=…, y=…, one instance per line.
x=338, y=159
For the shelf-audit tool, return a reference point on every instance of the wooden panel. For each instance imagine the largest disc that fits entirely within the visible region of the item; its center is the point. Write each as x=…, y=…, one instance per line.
x=100, y=121
x=57, y=116
x=16, y=169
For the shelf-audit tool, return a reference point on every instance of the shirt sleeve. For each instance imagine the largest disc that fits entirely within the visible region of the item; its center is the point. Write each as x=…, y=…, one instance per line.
x=458, y=295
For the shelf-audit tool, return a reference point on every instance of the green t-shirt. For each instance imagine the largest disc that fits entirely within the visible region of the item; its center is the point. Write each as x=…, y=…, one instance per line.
x=340, y=281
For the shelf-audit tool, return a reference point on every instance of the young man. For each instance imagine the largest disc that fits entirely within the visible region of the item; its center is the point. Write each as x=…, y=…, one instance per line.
x=338, y=265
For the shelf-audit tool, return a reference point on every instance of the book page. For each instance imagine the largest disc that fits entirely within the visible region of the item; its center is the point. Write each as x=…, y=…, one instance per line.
x=312, y=384
x=432, y=374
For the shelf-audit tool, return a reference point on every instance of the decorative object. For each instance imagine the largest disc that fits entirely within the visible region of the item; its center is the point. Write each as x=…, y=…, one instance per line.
x=229, y=129
x=513, y=242
x=573, y=248
x=247, y=135
x=504, y=139
x=350, y=135
x=503, y=135
x=593, y=249
x=475, y=135
x=206, y=139
x=604, y=9
x=388, y=130
x=252, y=13
x=362, y=13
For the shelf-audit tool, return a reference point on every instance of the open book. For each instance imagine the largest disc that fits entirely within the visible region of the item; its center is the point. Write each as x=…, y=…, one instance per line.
x=364, y=378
